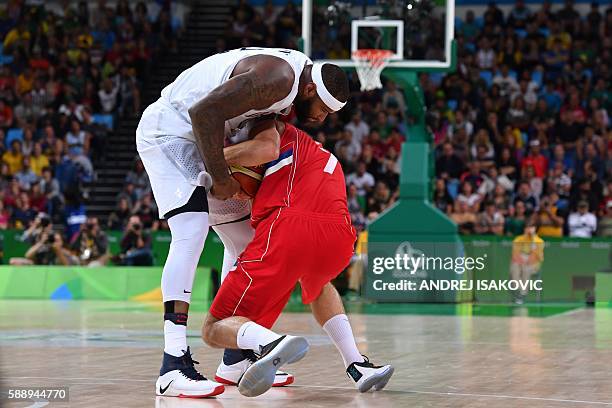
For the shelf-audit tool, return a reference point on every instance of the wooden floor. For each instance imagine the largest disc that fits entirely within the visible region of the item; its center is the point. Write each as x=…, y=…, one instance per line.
x=108, y=354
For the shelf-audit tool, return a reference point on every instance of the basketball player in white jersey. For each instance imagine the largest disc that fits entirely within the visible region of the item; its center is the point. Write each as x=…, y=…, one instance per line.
x=180, y=139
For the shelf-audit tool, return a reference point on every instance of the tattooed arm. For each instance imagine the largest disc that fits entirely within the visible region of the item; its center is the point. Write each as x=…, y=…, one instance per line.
x=258, y=82
x=262, y=146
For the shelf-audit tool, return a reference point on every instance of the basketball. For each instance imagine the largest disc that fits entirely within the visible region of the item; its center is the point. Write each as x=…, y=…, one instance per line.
x=248, y=177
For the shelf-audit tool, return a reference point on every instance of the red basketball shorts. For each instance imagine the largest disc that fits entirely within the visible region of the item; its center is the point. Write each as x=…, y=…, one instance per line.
x=289, y=247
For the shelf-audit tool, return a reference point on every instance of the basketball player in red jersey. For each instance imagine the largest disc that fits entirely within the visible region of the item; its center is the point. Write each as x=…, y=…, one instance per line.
x=303, y=234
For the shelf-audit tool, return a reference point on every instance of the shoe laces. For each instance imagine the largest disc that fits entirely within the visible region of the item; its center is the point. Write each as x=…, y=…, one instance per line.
x=250, y=355
x=366, y=363
x=189, y=370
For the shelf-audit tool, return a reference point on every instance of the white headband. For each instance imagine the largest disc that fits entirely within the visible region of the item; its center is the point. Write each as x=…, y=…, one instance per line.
x=327, y=98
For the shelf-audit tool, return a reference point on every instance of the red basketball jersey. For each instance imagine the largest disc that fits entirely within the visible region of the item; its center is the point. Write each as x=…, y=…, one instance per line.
x=305, y=177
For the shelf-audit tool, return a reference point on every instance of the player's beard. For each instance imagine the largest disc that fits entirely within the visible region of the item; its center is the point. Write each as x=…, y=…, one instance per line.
x=302, y=111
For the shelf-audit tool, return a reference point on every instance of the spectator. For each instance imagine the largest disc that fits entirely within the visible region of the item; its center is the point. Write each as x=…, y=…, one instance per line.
x=582, y=223
x=491, y=221
x=6, y=115
x=442, y=199
x=26, y=177
x=136, y=245
x=535, y=159
x=464, y=217
x=379, y=200
x=90, y=244
x=139, y=178
x=23, y=213
x=361, y=179
x=146, y=209
x=51, y=189
x=358, y=128
x=108, y=96
x=525, y=195
x=547, y=220
x=604, y=229
x=13, y=157
x=516, y=220
x=119, y=217
x=76, y=139
x=393, y=98
x=506, y=82
x=356, y=207
x=5, y=217
x=449, y=165
x=38, y=160
x=353, y=148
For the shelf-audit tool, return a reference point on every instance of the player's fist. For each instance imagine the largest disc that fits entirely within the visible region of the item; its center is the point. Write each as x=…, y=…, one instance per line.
x=226, y=188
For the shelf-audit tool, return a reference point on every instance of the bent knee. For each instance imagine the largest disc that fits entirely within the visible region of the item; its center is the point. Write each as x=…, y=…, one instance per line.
x=207, y=329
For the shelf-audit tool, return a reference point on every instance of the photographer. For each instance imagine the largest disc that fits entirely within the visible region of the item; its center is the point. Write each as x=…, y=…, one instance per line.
x=136, y=245
x=42, y=223
x=91, y=244
x=47, y=250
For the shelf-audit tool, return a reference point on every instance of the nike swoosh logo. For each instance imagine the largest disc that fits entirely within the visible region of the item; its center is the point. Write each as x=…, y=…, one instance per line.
x=162, y=390
x=184, y=291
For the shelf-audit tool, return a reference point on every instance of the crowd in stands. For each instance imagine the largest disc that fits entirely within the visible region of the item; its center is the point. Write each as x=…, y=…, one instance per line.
x=68, y=72
x=521, y=130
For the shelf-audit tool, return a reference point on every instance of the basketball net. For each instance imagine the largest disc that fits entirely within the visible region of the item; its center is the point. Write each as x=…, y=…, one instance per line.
x=369, y=64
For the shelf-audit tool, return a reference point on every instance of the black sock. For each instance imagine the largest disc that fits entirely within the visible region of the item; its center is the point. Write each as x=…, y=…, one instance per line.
x=232, y=356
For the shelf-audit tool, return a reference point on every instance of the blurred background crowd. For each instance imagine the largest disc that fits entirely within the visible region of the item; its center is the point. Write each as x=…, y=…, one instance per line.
x=68, y=72
x=521, y=130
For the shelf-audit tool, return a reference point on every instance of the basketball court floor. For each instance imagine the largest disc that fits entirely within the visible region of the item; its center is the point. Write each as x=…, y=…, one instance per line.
x=108, y=354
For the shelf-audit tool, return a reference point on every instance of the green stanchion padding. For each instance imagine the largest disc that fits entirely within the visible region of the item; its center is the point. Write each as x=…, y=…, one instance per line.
x=413, y=225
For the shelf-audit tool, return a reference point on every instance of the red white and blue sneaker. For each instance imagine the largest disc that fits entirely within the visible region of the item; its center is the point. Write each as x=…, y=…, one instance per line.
x=229, y=372
x=366, y=375
x=260, y=375
x=179, y=378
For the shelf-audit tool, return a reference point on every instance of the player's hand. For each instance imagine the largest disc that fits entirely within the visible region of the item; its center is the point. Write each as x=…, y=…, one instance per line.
x=241, y=195
x=226, y=188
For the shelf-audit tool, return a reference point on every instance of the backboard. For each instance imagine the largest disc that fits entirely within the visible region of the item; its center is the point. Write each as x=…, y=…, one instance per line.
x=418, y=32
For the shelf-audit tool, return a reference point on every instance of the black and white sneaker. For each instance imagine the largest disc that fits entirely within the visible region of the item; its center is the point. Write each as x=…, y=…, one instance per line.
x=179, y=378
x=260, y=376
x=229, y=374
x=366, y=375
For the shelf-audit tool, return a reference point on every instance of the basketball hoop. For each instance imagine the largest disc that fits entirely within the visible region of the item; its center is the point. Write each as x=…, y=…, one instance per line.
x=369, y=63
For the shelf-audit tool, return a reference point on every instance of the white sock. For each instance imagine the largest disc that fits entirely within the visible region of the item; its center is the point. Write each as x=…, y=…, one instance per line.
x=339, y=330
x=175, y=338
x=251, y=336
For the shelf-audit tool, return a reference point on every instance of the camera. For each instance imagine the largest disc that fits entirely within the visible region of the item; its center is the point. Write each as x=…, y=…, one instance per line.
x=51, y=239
x=137, y=227
x=44, y=221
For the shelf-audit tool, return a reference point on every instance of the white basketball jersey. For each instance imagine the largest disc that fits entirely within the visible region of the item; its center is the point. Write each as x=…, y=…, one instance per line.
x=196, y=82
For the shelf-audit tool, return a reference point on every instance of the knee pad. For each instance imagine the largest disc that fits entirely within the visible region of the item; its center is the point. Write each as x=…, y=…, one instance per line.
x=191, y=226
